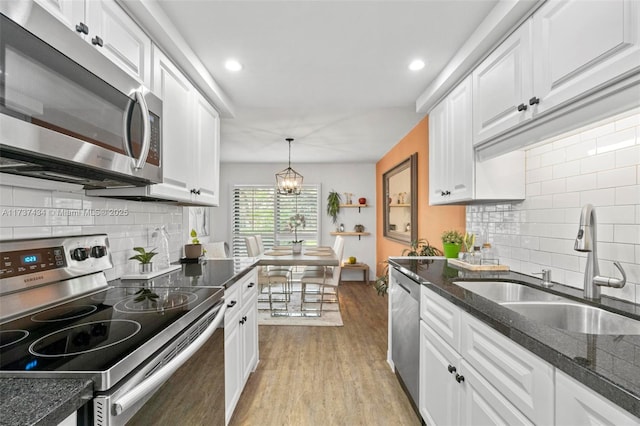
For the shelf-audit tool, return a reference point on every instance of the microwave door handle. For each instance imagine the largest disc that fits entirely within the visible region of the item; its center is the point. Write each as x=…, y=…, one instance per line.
x=159, y=377
x=146, y=139
x=126, y=128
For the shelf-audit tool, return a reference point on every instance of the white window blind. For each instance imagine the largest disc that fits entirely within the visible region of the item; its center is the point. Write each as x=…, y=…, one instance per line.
x=260, y=210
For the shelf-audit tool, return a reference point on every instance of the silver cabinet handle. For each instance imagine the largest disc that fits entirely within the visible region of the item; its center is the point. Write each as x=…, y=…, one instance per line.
x=138, y=163
x=155, y=380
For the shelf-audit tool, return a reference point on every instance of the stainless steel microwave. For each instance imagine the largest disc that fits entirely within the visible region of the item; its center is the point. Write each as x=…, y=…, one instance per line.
x=60, y=121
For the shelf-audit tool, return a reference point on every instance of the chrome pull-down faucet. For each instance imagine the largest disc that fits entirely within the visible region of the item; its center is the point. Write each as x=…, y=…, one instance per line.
x=586, y=241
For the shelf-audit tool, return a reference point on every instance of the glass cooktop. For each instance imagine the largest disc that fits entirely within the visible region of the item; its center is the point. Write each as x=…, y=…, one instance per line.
x=95, y=332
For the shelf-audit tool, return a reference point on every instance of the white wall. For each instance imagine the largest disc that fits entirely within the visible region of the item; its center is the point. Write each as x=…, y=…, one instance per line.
x=597, y=164
x=359, y=179
x=32, y=212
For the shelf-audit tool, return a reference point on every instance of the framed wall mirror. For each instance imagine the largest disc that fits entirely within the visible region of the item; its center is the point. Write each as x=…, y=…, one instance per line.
x=400, y=187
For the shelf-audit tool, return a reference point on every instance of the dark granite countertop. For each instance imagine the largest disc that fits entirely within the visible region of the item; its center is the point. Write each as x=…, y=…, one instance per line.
x=41, y=401
x=608, y=364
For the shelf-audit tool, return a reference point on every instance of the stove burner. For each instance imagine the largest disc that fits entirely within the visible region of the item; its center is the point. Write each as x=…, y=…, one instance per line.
x=9, y=337
x=64, y=313
x=83, y=338
x=147, y=300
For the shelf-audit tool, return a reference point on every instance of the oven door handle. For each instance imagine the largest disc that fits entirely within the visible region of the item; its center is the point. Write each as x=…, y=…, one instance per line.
x=154, y=381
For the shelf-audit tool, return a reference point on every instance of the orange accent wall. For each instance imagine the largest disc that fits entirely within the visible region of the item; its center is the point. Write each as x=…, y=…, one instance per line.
x=432, y=220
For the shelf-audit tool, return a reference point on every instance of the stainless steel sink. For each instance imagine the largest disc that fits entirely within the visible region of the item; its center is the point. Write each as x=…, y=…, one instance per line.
x=573, y=316
x=500, y=291
x=554, y=311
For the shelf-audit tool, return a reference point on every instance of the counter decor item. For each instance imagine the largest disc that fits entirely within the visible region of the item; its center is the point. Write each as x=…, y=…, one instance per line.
x=362, y=201
x=333, y=205
x=347, y=197
x=144, y=257
x=358, y=228
x=451, y=242
x=193, y=250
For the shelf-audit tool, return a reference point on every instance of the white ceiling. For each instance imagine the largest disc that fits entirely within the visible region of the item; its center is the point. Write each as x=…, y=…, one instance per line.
x=331, y=74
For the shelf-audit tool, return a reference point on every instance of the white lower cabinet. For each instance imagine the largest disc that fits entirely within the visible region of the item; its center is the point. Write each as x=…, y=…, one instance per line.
x=240, y=338
x=481, y=377
x=578, y=405
x=472, y=375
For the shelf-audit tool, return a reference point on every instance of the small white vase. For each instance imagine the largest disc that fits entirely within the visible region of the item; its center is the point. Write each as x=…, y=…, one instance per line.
x=296, y=248
x=145, y=268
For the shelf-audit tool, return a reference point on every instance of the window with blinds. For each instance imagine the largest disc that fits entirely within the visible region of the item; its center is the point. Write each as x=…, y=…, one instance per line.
x=259, y=209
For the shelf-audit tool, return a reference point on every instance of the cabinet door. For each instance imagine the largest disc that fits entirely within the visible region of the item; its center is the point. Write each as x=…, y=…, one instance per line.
x=460, y=164
x=580, y=406
x=124, y=43
x=233, y=382
x=438, y=154
x=439, y=399
x=581, y=45
x=522, y=377
x=177, y=145
x=207, y=160
x=250, y=339
x=69, y=12
x=501, y=83
x=482, y=404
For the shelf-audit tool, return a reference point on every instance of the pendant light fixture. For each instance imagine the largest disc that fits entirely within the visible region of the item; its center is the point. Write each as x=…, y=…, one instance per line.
x=289, y=181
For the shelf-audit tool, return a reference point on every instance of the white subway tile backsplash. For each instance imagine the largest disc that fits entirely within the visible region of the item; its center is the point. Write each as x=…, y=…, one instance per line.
x=599, y=165
x=627, y=195
x=628, y=157
x=6, y=195
x=582, y=182
x=617, y=177
x=626, y=234
x=599, y=197
x=26, y=197
x=6, y=233
x=618, y=140
x=581, y=150
x=598, y=131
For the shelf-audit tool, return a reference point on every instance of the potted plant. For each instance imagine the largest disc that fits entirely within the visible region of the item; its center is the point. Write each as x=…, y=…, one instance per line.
x=193, y=250
x=144, y=257
x=421, y=247
x=296, y=221
x=333, y=205
x=451, y=242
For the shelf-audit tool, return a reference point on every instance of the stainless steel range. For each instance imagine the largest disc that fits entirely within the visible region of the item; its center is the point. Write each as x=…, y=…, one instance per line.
x=60, y=318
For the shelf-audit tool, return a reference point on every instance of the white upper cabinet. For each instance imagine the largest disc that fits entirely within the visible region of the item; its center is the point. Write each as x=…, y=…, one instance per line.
x=205, y=178
x=450, y=148
x=107, y=27
x=500, y=85
x=170, y=85
x=580, y=45
x=454, y=174
x=552, y=64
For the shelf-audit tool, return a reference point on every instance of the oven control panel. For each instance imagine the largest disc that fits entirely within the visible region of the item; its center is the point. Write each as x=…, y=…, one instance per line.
x=38, y=261
x=22, y=262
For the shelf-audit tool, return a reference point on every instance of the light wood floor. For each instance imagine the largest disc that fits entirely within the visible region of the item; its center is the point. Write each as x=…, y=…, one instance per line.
x=327, y=375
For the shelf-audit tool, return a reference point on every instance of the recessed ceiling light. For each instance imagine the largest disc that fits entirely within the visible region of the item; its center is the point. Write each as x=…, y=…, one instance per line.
x=416, y=65
x=233, y=65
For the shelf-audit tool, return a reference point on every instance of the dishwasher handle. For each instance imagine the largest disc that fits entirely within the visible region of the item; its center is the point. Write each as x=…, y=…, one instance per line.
x=140, y=391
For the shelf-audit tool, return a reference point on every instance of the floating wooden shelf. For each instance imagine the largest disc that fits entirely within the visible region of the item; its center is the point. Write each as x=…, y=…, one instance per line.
x=350, y=206
x=351, y=234
x=399, y=205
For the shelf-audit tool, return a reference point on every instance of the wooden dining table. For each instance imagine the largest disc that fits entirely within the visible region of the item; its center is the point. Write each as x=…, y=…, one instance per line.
x=308, y=257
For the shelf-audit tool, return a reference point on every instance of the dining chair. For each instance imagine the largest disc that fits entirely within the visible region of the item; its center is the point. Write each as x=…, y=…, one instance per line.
x=270, y=279
x=216, y=250
x=312, y=275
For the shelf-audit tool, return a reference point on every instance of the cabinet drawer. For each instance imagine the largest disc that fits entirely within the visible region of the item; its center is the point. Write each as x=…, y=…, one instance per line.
x=442, y=316
x=249, y=286
x=523, y=378
x=234, y=304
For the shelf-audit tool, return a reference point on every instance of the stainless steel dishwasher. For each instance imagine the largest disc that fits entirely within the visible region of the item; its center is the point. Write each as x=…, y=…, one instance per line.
x=405, y=329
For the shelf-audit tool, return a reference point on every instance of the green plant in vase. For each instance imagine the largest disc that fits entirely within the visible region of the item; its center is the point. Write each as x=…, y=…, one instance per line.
x=451, y=242
x=144, y=257
x=193, y=250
